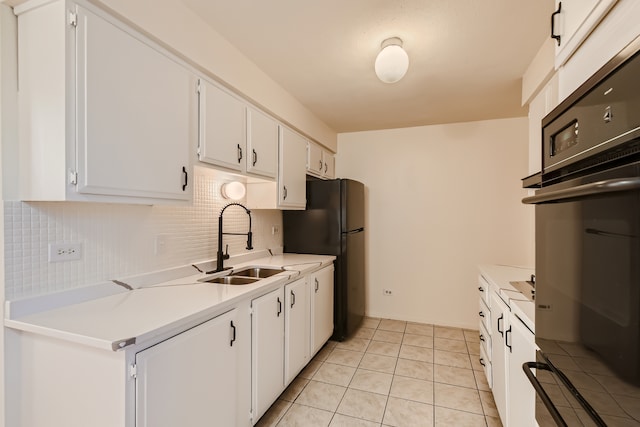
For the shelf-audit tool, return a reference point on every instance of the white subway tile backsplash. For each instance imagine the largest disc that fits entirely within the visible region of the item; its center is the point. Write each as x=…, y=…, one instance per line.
x=120, y=240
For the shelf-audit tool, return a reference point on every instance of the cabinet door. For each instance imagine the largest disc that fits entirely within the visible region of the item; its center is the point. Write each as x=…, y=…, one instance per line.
x=267, y=350
x=499, y=354
x=575, y=21
x=322, y=308
x=523, y=349
x=262, y=144
x=296, y=328
x=222, y=128
x=329, y=162
x=315, y=163
x=134, y=114
x=292, y=171
x=190, y=379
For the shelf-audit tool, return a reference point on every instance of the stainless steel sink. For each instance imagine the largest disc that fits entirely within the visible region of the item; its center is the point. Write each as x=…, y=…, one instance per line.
x=257, y=272
x=232, y=280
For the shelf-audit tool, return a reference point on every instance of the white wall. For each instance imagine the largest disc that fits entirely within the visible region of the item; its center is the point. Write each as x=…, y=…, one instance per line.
x=440, y=200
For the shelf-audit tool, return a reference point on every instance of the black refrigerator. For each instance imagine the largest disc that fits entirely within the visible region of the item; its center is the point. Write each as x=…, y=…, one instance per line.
x=333, y=224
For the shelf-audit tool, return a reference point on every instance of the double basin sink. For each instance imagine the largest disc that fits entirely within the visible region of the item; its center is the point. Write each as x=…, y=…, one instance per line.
x=245, y=276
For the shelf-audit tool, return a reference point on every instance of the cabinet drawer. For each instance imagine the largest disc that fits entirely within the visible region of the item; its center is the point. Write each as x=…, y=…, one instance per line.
x=485, y=341
x=484, y=314
x=486, y=365
x=483, y=288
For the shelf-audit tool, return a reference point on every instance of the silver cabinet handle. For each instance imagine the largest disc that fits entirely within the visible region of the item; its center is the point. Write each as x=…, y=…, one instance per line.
x=293, y=299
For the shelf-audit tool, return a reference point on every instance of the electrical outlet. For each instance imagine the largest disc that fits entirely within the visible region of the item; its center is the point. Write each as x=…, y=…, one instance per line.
x=387, y=292
x=275, y=230
x=59, y=252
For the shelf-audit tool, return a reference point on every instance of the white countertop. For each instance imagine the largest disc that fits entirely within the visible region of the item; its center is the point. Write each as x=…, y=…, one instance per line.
x=149, y=311
x=499, y=276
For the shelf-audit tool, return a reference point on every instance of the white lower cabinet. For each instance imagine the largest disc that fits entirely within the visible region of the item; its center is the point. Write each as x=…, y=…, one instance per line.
x=521, y=393
x=296, y=330
x=321, y=284
x=499, y=353
x=267, y=350
x=190, y=379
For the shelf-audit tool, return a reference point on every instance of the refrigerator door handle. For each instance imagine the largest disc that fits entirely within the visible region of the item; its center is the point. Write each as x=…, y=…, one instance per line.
x=357, y=230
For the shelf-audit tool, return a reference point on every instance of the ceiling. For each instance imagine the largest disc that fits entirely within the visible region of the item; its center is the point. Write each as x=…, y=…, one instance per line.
x=466, y=57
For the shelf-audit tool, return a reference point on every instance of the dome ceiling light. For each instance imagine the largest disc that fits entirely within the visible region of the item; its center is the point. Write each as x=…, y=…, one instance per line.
x=392, y=62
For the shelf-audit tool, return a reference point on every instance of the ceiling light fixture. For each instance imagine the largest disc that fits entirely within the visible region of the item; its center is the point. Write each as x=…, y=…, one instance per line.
x=392, y=62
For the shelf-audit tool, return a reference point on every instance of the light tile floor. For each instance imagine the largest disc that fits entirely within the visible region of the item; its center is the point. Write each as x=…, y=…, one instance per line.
x=391, y=373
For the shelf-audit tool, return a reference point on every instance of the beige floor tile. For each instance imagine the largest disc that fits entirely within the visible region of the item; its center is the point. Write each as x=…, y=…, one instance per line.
x=419, y=329
x=418, y=340
x=323, y=353
x=392, y=325
x=488, y=404
x=274, y=414
x=321, y=396
x=416, y=353
x=471, y=335
x=481, y=381
x=370, y=322
x=388, y=336
x=412, y=389
x=473, y=348
x=364, y=333
x=384, y=348
x=364, y=405
x=459, y=360
x=340, y=420
x=446, y=417
x=309, y=371
x=379, y=363
x=450, y=345
x=375, y=382
x=455, y=376
x=334, y=374
x=345, y=357
x=353, y=344
x=415, y=369
x=475, y=363
x=401, y=412
x=305, y=416
x=449, y=333
x=454, y=397
x=493, y=422
x=294, y=389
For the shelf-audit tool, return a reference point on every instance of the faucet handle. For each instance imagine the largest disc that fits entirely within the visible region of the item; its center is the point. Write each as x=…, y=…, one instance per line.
x=249, y=241
x=226, y=254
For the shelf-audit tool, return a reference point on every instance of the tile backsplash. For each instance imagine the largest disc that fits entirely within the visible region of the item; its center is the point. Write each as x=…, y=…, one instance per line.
x=120, y=240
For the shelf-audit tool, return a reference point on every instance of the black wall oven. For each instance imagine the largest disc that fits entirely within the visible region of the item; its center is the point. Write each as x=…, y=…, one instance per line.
x=587, y=321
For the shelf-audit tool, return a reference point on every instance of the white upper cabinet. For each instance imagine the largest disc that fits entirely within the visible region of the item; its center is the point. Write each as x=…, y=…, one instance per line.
x=222, y=134
x=105, y=114
x=320, y=162
x=262, y=144
x=292, y=188
x=572, y=23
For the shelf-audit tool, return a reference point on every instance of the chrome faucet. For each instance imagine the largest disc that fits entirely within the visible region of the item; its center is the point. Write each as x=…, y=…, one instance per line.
x=220, y=256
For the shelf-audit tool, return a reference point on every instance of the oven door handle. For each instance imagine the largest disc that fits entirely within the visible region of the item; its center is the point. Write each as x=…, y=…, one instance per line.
x=526, y=367
x=601, y=187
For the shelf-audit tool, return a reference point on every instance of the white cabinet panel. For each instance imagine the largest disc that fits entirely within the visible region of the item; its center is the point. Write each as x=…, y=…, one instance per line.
x=190, y=379
x=499, y=354
x=262, y=144
x=321, y=290
x=521, y=393
x=296, y=328
x=105, y=114
x=222, y=140
x=267, y=350
x=292, y=189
